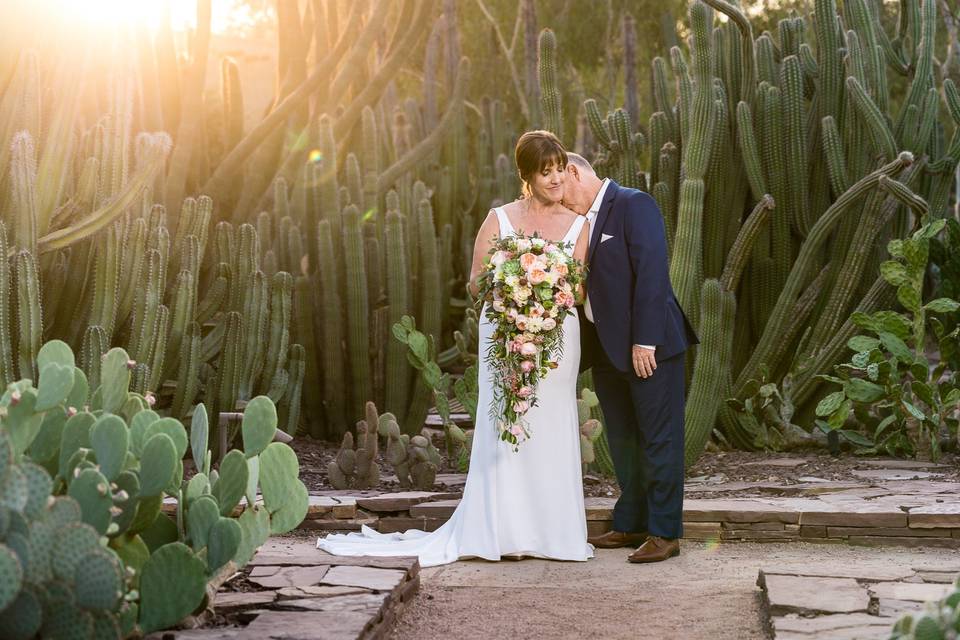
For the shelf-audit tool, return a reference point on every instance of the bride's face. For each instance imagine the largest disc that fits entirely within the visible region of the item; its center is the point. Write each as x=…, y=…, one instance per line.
x=547, y=185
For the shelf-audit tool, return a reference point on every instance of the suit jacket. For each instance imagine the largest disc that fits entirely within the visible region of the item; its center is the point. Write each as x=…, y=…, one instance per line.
x=628, y=282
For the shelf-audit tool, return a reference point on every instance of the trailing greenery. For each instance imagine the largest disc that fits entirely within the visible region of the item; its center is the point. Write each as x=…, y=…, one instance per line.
x=89, y=550
x=890, y=389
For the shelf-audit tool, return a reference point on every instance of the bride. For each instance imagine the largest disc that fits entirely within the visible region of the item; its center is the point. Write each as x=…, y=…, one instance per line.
x=530, y=502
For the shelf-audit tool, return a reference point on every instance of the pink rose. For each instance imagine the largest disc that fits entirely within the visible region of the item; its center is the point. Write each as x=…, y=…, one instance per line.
x=536, y=276
x=549, y=324
x=527, y=260
x=524, y=392
x=498, y=258
x=521, y=406
x=516, y=430
x=512, y=314
x=561, y=268
x=521, y=322
x=498, y=306
x=563, y=299
x=536, y=311
x=529, y=349
x=527, y=366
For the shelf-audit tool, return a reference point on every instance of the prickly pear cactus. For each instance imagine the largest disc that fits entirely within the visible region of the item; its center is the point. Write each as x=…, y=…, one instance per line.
x=103, y=560
x=57, y=575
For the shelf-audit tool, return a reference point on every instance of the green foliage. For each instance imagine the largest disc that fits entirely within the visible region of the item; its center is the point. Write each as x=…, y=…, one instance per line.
x=890, y=387
x=938, y=621
x=421, y=353
x=90, y=546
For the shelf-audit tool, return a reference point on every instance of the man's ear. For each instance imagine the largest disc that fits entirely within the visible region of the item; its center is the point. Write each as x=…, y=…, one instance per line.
x=573, y=171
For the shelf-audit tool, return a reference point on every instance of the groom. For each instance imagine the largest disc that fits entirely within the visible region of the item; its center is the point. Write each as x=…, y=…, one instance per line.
x=634, y=335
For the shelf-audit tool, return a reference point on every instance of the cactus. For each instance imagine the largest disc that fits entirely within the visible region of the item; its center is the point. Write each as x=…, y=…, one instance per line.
x=415, y=460
x=356, y=466
x=550, y=99
x=138, y=462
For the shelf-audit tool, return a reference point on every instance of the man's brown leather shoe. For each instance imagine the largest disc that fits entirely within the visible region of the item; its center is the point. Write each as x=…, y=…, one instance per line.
x=617, y=540
x=656, y=549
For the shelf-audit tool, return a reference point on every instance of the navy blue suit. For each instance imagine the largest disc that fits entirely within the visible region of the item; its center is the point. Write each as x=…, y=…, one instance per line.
x=633, y=302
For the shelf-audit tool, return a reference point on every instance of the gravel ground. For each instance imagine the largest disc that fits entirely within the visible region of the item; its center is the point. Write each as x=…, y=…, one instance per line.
x=708, y=592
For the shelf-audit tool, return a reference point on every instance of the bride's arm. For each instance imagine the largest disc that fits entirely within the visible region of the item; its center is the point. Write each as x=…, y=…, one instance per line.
x=580, y=253
x=481, y=248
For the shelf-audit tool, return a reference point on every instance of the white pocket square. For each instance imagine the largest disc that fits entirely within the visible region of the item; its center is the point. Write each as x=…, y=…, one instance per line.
x=604, y=237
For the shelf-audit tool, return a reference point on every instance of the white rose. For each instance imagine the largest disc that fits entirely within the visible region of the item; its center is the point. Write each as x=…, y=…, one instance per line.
x=498, y=306
x=538, y=243
x=523, y=244
x=512, y=281
x=549, y=324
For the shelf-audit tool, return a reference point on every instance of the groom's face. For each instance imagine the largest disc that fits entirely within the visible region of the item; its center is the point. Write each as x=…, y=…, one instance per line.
x=573, y=196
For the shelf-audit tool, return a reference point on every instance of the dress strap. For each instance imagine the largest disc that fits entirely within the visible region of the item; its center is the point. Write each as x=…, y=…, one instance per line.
x=506, y=229
x=574, y=231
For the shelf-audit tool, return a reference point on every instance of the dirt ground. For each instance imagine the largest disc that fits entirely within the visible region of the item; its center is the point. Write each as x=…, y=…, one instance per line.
x=709, y=592
x=712, y=468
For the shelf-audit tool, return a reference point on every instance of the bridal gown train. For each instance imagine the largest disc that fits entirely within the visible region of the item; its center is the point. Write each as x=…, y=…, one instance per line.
x=514, y=503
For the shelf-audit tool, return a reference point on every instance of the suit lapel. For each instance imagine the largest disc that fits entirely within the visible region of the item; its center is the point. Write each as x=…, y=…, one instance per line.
x=602, y=216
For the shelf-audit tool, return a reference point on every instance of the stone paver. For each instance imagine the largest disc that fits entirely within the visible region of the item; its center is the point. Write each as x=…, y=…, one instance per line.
x=812, y=596
x=910, y=591
x=310, y=595
x=897, y=504
x=803, y=602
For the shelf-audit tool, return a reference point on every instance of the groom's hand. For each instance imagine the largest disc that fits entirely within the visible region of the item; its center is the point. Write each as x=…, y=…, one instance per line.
x=644, y=360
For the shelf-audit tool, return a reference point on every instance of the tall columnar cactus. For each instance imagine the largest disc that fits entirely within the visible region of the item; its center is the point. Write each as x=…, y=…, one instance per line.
x=800, y=128
x=550, y=97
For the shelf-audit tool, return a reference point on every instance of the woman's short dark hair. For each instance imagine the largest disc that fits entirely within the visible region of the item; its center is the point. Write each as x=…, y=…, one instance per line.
x=537, y=150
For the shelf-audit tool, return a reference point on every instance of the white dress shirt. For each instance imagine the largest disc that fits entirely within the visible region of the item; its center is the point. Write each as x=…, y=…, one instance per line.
x=591, y=218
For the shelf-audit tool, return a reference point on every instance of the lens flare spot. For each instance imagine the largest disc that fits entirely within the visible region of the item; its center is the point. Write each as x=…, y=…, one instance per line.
x=315, y=155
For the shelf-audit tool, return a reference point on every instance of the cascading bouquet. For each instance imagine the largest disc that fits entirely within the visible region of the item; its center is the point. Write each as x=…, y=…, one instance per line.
x=527, y=286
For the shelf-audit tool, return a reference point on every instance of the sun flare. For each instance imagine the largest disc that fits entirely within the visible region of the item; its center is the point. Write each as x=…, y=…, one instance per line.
x=100, y=14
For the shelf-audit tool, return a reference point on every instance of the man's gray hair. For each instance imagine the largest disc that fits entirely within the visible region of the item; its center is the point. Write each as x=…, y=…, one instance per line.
x=580, y=161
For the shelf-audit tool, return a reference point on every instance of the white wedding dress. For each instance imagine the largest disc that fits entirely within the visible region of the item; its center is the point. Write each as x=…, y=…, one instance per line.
x=526, y=503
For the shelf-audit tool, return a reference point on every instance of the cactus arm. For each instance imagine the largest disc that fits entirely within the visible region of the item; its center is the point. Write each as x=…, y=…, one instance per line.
x=7, y=374
x=716, y=330
x=433, y=139
x=747, y=61
x=880, y=134
x=218, y=184
x=742, y=248
x=109, y=212
x=550, y=99
x=749, y=152
x=805, y=260
x=399, y=54
x=191, y=108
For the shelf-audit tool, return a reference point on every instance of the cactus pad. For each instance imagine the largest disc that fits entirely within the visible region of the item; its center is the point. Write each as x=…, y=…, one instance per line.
x=11, y=576
x=201, y=517
x=114, y=380
x=39, y=485
x=223, y=543
x=109, y=438
x=56, y=382
x=23, y=618
x=73, y=542
x=199, y=436
x=233, y=481
x=98, y=580
x=172, y=585
x=158, y=464
x=259, y=425
x=92, y=491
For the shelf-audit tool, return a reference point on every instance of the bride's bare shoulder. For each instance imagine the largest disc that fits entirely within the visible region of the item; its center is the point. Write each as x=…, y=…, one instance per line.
x=513, y=207
x=569, y=214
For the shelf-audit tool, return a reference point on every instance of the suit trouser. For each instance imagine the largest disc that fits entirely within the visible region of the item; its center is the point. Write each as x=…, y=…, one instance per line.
x=644, y=421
